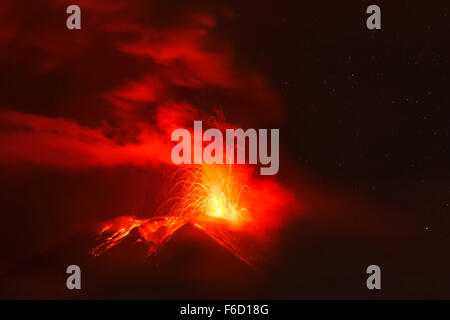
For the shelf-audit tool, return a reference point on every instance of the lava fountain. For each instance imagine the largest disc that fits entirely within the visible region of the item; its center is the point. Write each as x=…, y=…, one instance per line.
x=211, y=198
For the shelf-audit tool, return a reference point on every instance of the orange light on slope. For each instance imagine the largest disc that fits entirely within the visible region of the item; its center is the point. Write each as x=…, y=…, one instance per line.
x=214, y=199
x=204, y=196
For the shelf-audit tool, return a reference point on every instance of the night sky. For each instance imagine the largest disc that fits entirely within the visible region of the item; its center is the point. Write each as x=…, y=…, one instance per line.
x=364, y=118
x=366, y=109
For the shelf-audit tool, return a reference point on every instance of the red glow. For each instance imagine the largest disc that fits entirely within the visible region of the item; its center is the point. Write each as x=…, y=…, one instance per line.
x=110, y=95
x=214, y=199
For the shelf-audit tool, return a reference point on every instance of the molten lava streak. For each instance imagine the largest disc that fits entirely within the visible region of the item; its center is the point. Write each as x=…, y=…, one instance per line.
x=211, y=198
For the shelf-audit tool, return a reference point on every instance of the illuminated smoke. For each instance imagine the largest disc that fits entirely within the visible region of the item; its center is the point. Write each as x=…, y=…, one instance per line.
x=116, y=89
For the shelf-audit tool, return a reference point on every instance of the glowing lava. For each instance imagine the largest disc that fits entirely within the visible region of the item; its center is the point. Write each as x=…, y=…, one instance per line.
x=209, y=197
x=209, y=192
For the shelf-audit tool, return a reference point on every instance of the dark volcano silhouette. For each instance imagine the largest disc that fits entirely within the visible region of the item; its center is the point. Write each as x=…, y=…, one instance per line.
x=190, y=265
x=314, y=258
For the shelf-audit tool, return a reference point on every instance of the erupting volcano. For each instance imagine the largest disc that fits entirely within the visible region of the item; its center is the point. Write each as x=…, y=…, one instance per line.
x=112, y=95
x=211, y=198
